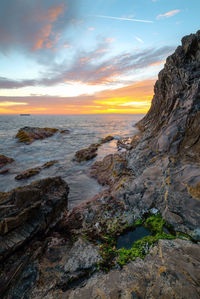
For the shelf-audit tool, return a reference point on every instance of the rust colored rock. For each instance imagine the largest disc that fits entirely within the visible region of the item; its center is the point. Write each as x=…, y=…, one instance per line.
x=4, y=160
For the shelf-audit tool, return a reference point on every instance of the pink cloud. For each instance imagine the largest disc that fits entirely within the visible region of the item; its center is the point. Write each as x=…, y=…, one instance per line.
x=168, y=14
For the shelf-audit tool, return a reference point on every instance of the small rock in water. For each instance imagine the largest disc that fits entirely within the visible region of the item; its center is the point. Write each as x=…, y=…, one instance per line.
x=28, y=173
x=5, y=160
x=87, y=153
x=33, y=171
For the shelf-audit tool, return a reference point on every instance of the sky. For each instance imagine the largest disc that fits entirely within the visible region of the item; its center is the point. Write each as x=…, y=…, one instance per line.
x=86, y=56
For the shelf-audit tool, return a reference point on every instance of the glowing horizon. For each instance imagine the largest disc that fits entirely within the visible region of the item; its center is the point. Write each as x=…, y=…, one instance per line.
x=73, y=58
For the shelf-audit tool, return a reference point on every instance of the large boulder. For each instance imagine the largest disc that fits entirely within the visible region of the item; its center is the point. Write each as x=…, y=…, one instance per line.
x=29, y=134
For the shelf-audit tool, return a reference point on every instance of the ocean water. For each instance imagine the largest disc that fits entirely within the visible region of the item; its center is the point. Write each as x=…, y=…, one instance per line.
x=84, y=130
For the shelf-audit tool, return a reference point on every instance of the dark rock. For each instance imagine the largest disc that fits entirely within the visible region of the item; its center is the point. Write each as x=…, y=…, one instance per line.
x=5, y=160
x=49, y=164
x=87, y=153
x=33, y=171
x=29, y=134
x=91, y=152
x=65, y=131
x=28, y=173
x=106, y=139
x=4, y=171
x=28, y=210
x=82, y=256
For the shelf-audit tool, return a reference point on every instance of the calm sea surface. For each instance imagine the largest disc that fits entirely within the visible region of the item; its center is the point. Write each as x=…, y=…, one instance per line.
x=84, y=130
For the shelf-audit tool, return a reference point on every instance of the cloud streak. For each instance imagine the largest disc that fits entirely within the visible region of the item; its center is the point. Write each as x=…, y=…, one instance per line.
x=9, y=104
x=134, y=98
x=122, y=19
x=94, y=67
x=168, y=14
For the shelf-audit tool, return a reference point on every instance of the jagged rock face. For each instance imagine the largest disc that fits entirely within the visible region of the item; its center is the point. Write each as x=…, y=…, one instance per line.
x=174, y=116
x=29, y=210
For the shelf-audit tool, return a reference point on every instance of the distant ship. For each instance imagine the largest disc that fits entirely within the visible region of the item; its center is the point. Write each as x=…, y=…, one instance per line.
x=24, y=114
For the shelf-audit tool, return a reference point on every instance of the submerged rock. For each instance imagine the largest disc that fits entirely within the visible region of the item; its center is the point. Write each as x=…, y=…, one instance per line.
x=28, y=173
x=4, y=160
x=106, y=139
x=33, y=171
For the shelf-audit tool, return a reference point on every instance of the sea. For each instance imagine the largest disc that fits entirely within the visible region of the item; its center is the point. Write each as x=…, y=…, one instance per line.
x=84, y=130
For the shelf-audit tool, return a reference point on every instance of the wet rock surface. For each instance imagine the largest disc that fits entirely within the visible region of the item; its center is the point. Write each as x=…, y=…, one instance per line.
x=158, y=175
x=28, y=135
x=34, y=171
x=87, y=153
x=4, y=160
x=91, y=152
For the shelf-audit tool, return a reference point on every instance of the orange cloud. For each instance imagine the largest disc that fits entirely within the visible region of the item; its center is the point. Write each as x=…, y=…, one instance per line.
x=135, y=98
x=44, y=40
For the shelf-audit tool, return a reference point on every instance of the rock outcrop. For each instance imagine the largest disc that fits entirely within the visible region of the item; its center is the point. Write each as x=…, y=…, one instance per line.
x=90, y=152
x=87, y=153
x=27, y=214
x=29, y=134
x=154, y=184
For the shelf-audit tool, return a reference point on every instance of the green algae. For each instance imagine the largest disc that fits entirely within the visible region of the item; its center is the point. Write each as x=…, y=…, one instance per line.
x=23, y=137
x=112, y=256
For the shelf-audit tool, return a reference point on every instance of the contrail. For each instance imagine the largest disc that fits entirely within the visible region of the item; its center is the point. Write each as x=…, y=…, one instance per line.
x=123, y=19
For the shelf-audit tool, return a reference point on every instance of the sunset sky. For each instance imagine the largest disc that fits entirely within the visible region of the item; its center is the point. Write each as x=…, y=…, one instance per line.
x=87, y=56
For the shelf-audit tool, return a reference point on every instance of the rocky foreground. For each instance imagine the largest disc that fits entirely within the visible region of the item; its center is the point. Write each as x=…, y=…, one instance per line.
x=155, y=184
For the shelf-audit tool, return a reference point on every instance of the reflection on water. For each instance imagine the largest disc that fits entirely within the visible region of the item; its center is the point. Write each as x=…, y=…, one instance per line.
x=127, y=240
x=84, y=130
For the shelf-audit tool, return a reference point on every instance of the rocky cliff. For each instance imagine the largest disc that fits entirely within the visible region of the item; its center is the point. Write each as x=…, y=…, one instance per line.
x=155, y=185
